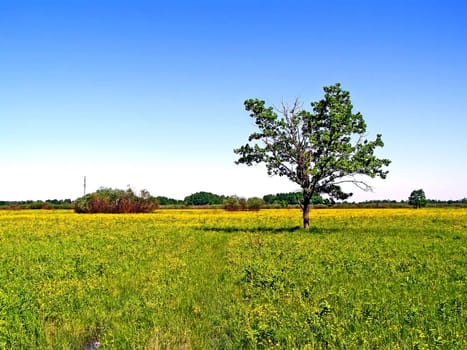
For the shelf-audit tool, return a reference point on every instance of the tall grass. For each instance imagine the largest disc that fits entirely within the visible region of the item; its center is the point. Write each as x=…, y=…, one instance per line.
x=207, y=279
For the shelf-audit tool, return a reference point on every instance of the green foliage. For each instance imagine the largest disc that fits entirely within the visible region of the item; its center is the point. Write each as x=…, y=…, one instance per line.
x=291, y=198
x=162, y=200
x=417, y=198
x=203, y=198
x=108, y=200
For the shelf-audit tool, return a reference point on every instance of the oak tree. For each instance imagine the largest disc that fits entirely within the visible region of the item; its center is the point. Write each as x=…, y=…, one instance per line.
x=320, y=150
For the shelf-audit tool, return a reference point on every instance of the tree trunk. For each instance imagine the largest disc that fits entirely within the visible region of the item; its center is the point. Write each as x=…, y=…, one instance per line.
x=306, y=210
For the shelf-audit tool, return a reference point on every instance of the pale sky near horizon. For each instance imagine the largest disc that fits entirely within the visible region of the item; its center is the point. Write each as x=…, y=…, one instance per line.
x=150, y=93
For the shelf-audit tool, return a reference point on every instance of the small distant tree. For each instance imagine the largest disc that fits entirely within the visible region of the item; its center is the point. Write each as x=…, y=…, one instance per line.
x=320, y=150
x=417, y=198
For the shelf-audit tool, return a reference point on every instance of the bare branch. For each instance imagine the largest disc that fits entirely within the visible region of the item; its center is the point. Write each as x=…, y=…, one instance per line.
x=359, y=183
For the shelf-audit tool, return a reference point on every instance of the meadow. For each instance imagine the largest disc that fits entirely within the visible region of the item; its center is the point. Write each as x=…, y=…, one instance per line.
x=210, y=279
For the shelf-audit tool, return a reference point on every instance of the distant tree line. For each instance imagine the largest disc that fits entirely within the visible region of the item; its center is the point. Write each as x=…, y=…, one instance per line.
x=387, y=203
x=291, y=199
x=165, y=201
x=278, y=200
x=441, y=203
x=30, y=204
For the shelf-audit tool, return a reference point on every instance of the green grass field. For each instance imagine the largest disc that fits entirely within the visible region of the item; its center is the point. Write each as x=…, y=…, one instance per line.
x=206, y=279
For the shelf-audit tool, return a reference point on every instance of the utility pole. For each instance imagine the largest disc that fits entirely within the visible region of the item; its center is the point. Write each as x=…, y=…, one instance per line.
x=84, y=185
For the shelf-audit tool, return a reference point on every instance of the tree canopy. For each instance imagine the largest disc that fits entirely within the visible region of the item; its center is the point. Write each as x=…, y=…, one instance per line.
x=417, y=198
x=320, y=150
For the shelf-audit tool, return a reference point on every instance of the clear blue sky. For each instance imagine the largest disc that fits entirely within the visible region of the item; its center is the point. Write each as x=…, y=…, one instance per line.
x=150, y=93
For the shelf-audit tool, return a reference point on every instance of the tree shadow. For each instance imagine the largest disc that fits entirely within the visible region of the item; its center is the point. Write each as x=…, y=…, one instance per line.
x=262, y=229
x=233, y=229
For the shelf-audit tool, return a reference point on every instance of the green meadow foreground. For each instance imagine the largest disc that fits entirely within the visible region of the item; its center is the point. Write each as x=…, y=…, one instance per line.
x=207, y=279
